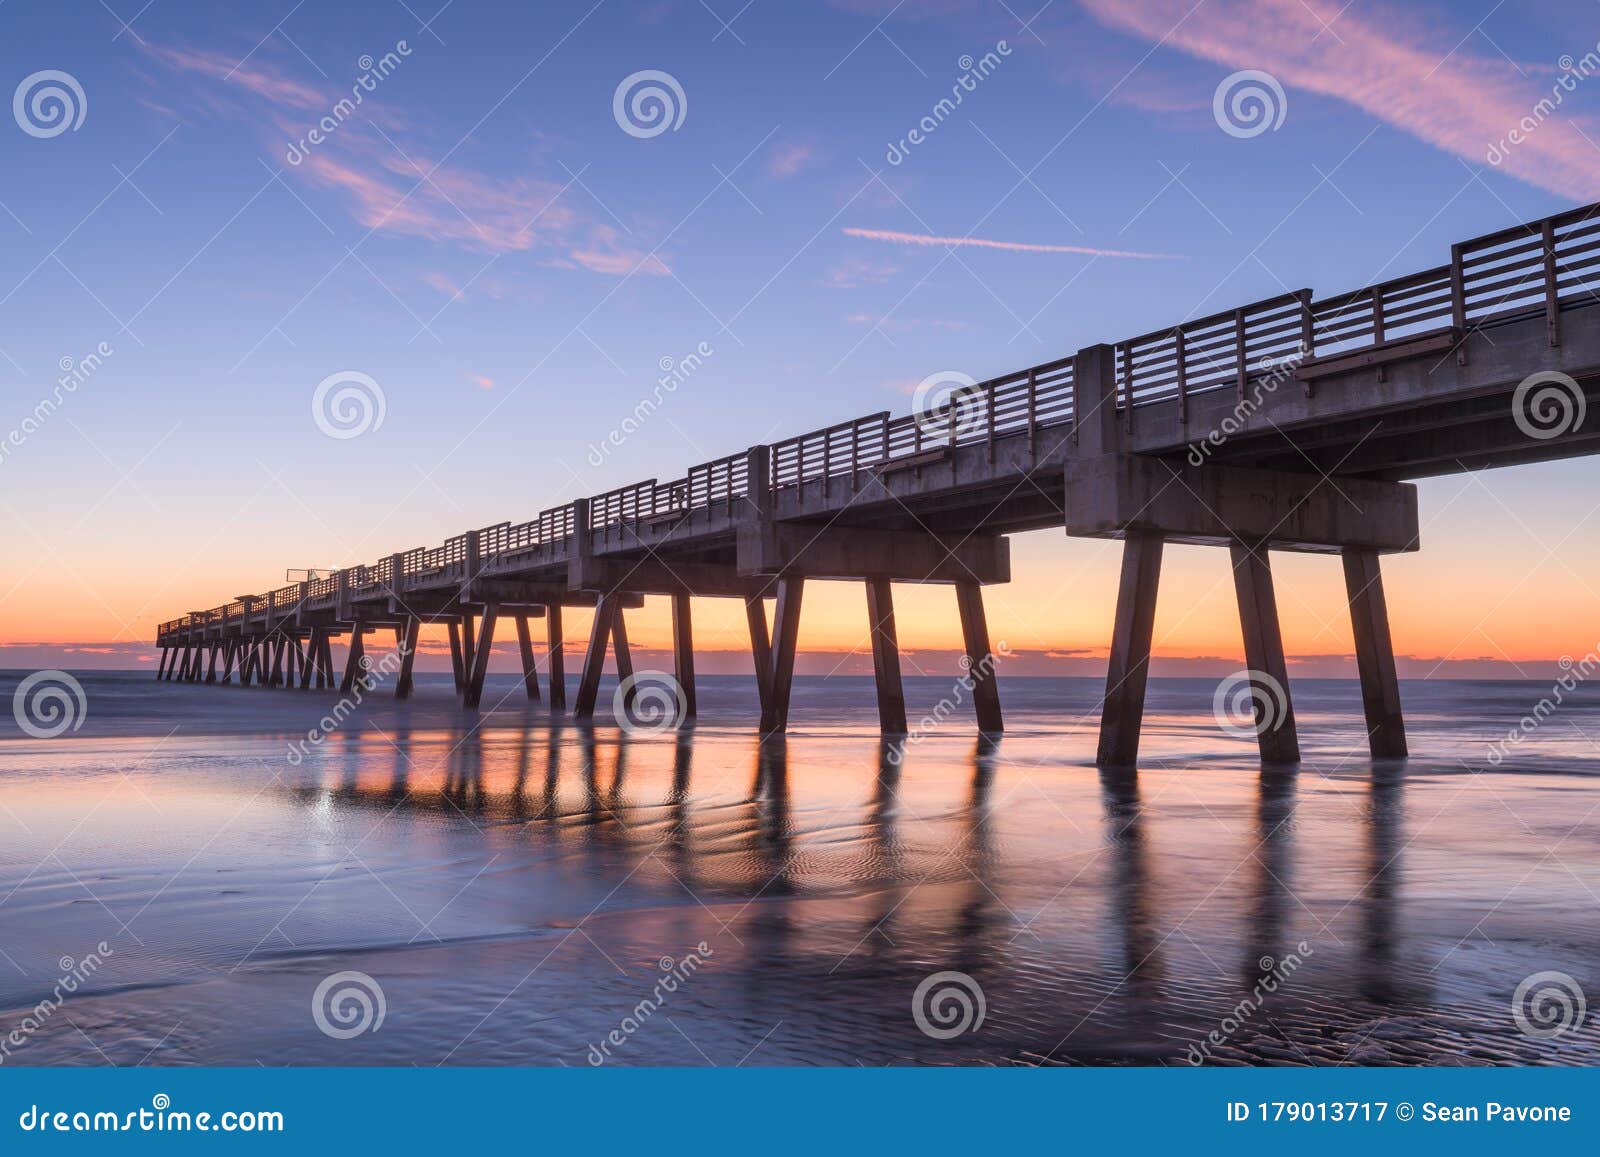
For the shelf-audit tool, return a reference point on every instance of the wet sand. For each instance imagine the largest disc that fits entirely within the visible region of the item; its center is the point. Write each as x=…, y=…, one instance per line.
x=520, y=890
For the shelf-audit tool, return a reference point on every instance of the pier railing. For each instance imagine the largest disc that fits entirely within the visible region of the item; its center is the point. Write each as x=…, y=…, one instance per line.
x=1539, y=267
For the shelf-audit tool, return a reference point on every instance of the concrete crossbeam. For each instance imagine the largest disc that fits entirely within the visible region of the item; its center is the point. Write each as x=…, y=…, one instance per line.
x=1111, y=495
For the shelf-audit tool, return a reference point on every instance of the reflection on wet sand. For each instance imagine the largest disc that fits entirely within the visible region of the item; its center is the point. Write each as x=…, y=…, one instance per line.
x=1131, y=897
x=1380, y=972
x=751, y=847
x=859, y=886
x=1273, y=862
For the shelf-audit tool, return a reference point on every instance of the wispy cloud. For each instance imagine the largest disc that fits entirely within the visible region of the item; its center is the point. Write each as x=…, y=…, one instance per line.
x=607, y=253
x=392, y=187
x=929, y=240
x=787, y=160
x=1428, y=82
x=257, y=78
x=854, y=272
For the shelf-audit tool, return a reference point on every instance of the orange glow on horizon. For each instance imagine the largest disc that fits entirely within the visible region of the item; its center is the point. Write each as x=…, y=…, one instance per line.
x=1451, y=600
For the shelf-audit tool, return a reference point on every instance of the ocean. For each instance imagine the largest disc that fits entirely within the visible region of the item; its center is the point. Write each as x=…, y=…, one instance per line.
x=187, y=878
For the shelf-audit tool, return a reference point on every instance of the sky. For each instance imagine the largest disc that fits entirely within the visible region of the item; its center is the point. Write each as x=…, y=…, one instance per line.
x=510, y=251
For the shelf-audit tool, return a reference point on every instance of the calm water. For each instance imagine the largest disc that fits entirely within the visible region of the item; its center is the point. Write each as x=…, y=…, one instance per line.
x=520, y=891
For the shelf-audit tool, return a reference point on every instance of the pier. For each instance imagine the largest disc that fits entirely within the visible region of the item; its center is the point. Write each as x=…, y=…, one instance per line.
x=1291, y=424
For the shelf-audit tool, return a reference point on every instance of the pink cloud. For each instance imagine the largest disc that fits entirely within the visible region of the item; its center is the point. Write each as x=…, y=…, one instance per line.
x=251, y=75
x=455, y=205
x=607, y=254
x=854, y=272
x=388, y=187
x=787, y=160
x=929, y=240
x=483, y=382
x=1425, y=82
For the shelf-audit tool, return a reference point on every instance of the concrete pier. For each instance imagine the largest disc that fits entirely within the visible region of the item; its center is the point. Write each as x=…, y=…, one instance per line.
x=1292, y=423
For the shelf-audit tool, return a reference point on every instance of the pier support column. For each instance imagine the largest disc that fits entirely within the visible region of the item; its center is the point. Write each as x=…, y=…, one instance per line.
x=1263, y=653
x=161, y=667
x=886, y=658
x=230, y=652
x=247, y=661
x=312, y=660
x=786, y=633
x=276, y=678
x=352, y=664
x=1122, y=711
x=1380, y=686
x=683, y=654
x=482, y=648
x=325, y=661
x=457, y=667
x=605, y=613
x=755, y=613
x=291, y=664
x=530, y=667
x=211, y=662
x=980, y=660
x=408, y=655
x=469, y=649
x=623, y=655
x=555, y=648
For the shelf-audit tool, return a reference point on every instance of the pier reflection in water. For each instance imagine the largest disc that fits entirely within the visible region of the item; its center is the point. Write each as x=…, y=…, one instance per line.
x=520, y=892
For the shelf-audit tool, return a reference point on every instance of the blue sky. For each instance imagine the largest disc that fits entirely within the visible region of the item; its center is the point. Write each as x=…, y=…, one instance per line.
x=484, y=240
